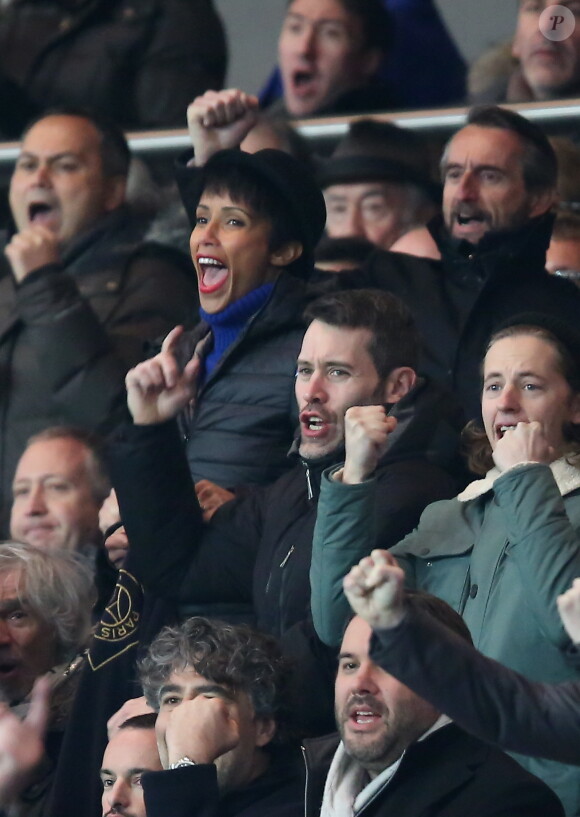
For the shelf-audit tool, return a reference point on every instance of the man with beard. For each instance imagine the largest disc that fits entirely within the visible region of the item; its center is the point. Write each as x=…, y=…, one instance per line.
x=398, y=755
x=499, y=176
x=358, y=351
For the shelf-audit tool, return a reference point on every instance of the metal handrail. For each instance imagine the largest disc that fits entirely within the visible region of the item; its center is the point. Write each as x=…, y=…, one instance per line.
x=443, y=120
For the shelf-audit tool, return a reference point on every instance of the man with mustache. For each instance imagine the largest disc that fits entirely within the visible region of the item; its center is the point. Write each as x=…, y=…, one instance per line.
x=499, y=185
x=398, y=755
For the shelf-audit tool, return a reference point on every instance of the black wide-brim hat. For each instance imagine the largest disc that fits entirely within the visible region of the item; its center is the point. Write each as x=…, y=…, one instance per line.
x=354, y=169
x=284, y=175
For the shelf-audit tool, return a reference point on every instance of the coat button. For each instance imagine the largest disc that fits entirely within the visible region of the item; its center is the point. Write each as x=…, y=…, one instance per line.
x=473, y=591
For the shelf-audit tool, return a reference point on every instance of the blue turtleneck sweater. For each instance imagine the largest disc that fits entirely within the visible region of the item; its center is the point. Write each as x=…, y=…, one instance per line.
x=227, y=324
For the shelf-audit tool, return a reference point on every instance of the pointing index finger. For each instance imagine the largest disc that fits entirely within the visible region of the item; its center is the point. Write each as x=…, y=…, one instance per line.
x=171, y=340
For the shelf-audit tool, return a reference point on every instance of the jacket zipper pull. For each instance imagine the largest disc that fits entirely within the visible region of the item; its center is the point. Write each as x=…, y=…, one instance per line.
x=309, y=484
x=285, y=559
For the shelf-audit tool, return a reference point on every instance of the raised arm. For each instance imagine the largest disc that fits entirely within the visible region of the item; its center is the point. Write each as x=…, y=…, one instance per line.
x=484, y=697
x=219, y=120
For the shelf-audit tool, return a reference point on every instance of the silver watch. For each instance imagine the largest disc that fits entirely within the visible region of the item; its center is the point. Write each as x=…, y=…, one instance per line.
x=183, y=761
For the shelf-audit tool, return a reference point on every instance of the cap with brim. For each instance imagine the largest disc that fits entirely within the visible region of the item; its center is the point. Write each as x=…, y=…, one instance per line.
x=567, y=334
x=283, y=174
x=353, y=169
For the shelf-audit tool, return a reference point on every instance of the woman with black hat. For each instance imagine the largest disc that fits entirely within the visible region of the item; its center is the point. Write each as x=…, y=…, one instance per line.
x=255, y=219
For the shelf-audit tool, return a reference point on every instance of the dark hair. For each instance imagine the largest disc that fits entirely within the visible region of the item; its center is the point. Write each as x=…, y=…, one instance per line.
x=95, y=463
x=236, y=656
x=438, y=609
x=114, y=149
x=394, y=339
x=539, y=162
x=144, y=721
x=244, y=187
x=475, y=441
x=356, y=250
x=377, y=22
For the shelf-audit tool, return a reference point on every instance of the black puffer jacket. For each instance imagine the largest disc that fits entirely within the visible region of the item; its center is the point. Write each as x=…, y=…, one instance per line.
x=459, y=301
x=139, y=62
x=69, y=332
x=245, y=414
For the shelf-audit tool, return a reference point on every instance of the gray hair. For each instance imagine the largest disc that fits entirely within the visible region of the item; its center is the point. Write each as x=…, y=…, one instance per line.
x=95, y=462
x=57, y=587
x=235, y=656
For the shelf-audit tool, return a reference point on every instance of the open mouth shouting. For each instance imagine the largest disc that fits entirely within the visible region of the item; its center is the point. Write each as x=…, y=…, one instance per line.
x=469, y=223
x=365, y=714
x=45, y=213
x=303, y=82
x=314, y=425
x=213, y=273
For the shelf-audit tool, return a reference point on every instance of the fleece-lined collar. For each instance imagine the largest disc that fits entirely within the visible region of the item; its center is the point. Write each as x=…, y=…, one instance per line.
x=567, y=479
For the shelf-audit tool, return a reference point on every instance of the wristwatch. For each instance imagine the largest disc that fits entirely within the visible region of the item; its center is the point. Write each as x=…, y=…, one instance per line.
x=183, y=761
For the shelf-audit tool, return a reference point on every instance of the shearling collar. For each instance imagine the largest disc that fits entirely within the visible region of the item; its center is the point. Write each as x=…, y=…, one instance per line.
x=567, y=479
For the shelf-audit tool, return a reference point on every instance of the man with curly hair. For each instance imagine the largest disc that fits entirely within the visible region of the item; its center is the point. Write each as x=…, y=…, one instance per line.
x=222, y=694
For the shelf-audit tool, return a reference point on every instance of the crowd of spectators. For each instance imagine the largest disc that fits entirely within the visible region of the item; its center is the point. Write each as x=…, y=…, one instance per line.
x=289, y=449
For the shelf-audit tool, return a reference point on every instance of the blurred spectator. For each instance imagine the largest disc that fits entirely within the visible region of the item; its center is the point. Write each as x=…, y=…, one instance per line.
x=339, y=254
x=131, y=752
x=80, y=294
x=377, y=184
x=139, y=62
x=329, y=53
x=45, y=610
x=418, y=29
x=534, y=68
x=59, y=486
